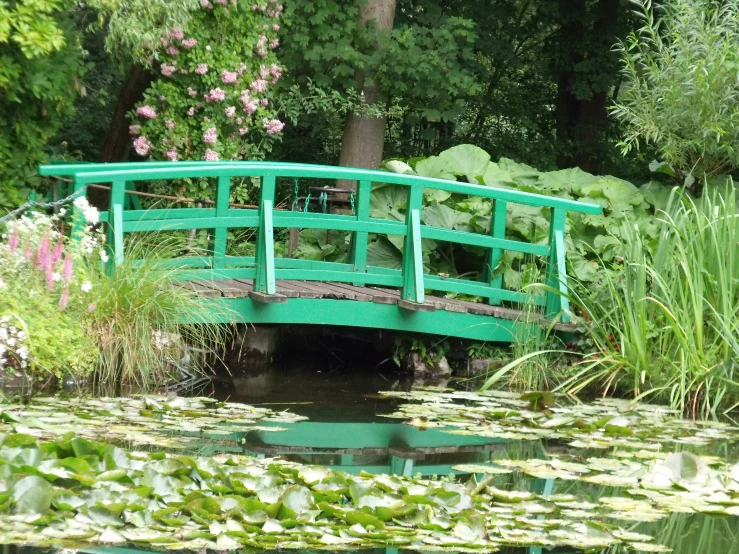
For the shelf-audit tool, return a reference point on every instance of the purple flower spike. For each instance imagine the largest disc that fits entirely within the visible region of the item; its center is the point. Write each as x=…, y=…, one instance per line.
x=64, y=300
x=67, y=269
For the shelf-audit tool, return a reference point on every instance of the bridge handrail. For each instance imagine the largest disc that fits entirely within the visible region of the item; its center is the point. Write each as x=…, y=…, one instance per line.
x=411, y=278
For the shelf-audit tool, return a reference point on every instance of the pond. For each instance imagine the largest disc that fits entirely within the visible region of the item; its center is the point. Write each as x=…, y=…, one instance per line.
x=473, y=472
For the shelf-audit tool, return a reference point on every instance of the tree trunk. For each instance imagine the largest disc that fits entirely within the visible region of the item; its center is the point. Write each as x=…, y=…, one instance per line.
x=364, y=137
x=118, y=140
x=581, y=122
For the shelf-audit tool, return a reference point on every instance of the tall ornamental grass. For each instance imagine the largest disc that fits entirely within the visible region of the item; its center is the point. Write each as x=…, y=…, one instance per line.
x=143, y=324
x=665, y=321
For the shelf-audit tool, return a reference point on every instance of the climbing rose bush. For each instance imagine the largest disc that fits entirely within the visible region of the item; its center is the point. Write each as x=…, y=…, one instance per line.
x=212, y=99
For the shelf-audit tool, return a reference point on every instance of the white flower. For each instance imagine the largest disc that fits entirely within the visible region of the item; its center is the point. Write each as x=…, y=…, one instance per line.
x=3, y=284
x=56, y=276
x=86, y=286
x=62, y=212
x=103, y=255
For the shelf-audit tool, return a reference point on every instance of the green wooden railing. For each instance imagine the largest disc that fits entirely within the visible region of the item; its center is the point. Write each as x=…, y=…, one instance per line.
x=265, y=268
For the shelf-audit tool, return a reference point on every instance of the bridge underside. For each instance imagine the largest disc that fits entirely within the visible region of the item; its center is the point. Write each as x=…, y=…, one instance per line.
x=304, y=302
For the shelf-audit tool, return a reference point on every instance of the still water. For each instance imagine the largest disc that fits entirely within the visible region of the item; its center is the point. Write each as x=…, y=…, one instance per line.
x=347, y=429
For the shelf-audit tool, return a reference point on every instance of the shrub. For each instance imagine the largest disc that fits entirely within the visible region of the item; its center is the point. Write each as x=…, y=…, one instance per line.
x=679, y=91
x=213, y=99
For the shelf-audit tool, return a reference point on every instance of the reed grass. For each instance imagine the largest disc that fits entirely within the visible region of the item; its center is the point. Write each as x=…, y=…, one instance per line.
x=143, y=324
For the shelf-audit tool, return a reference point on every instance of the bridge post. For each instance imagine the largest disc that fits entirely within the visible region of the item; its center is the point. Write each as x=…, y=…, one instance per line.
x=497, y=230
x=223, y=195
x=264, y=281
x=413, y=289
x=115, y=222
x=358, y=248
x=557, y=296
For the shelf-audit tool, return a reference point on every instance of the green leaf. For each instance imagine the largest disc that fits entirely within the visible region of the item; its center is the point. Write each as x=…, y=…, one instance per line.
x=436, y=168
x=32, y=495
x=467, y=160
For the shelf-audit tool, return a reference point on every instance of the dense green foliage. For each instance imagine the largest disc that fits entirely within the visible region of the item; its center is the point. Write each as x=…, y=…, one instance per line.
x=40, y=69
x=680, y=88
x=213, y=98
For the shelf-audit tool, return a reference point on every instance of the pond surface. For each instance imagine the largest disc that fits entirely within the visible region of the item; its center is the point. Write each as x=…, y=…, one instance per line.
x=567, y=469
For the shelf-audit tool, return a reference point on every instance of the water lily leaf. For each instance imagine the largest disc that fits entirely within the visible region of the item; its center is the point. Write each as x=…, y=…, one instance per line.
x=111, y=536
x=32, y=495
x=104, y=516
x=354, y=517
x=298, y=499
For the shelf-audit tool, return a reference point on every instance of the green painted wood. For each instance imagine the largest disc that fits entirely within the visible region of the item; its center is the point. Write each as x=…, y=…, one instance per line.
x=265, y=269
x=118, y=254
x=223, y=195
x=362, y=314
x=265, y=279
x=246, y=169
x=556, y=269
x=132, y=201
x=495, y=243
x=412, y=251
x=497, y=231
x=358, y=249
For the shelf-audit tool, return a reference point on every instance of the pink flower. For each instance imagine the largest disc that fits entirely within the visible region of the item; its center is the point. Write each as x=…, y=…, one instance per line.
x=211, y=155
x=260, y=85
x=229, y=77
x=242, y=68
x=43, y=254
x=176, y=34
x=239, y=120
x=263, y=72
x=189, y=43
x=276, y=72
x=134, y=129
x=206, y=5
x=184, y=72
x=168, y=70
x=171, y=154
x=230, y=111
x=243, y=131
x=215, y=95
x=56, y=254
x=192, y=92
x=172, y=51
x=222, y=2
x=142, y=145
x=67, y=268
x=251, y=106
x=264, y=102
x=272, y=44
x=165, y=41
x=169, y=124
x=64, y=300
x=91, y=307
x=49, y=275
x=147, y=112
x=27, y=254
x=275, y=27
x=273, y=126
x=201, y=69
x=191, y=111
x=210, y=136
x=13, y=241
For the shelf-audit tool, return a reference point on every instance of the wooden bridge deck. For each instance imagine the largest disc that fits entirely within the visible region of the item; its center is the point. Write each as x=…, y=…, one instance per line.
x=315, y=290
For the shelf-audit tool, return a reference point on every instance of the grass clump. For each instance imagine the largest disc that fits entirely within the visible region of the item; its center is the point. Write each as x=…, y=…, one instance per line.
x=664, y=321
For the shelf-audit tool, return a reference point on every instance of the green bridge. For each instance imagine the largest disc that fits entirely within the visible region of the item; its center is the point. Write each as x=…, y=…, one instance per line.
x=265, y=288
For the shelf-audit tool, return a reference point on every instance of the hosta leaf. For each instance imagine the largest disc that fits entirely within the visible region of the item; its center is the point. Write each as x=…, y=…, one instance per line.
x=465, y=159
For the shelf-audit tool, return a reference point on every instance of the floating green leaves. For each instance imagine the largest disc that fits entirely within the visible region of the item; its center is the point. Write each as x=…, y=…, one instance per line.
x=164, y=422
x=73, y=491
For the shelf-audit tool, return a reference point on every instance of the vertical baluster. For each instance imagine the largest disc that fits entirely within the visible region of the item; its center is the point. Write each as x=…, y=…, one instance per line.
x=115, y=223
x=265, y=259
x=223, y=195
x=132, y=200
x=412, y=252
x=358, y=249
x=78, y=224
x=497, y=230
x=557, y=300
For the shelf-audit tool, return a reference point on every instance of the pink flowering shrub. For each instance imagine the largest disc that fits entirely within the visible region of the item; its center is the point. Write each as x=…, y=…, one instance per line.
x=211, y=100
x=46, y=294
